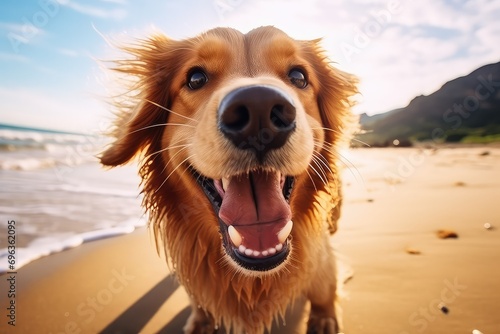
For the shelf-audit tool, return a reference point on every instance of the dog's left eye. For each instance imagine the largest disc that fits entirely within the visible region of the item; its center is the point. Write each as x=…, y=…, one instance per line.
x=297, y=78
x=196, y=79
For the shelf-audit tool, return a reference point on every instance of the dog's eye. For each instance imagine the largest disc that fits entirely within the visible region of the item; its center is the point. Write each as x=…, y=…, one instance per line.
x=196, y=79
x=297, y=78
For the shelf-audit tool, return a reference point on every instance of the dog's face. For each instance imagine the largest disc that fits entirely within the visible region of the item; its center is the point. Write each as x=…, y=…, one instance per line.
x=235, y=120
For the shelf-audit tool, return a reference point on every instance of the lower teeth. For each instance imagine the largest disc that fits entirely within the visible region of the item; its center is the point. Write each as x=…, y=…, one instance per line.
x=250, y=252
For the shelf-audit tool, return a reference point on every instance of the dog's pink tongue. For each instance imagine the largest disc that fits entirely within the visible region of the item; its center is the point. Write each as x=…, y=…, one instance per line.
x=255, y=205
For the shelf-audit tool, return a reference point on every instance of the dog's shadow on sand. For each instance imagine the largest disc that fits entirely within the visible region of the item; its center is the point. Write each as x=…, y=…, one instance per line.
x=136, y=317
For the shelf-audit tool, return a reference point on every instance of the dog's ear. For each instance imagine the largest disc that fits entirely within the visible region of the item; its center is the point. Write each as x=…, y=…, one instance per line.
x=143, y=110
x=335, y=90
x=335, y=93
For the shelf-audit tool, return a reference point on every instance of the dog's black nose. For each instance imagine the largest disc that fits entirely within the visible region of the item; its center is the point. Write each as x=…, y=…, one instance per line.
x=257, y=117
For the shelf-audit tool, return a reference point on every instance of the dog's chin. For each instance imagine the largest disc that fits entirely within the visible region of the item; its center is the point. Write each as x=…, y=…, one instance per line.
x=259, y=267
x=259, y=243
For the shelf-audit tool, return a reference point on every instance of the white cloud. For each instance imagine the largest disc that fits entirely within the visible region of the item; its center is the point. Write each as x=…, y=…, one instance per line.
x=423, y=44
x=11, y=27
x=413, y=48
x=117, y=13
x=426, y=44
x=487, y=37
x=5, y=56
x=19, y=34
x=298, y=19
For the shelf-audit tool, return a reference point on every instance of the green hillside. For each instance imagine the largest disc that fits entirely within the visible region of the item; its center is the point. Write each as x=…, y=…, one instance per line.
x=466, y=109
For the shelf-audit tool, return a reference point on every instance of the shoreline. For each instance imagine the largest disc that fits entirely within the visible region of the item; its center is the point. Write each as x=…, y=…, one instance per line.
x=120, y=284
x=38, y=249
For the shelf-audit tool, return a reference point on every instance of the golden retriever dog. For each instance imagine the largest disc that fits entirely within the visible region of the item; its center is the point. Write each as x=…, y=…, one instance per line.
x=237, y=136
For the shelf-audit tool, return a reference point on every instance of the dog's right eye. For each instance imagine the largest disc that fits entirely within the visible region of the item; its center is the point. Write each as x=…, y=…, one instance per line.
x=297, y=78
x=196, y=79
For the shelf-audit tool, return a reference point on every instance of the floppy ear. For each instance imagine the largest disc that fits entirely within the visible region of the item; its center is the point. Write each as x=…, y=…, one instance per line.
x=335, y=90
x=139, y=120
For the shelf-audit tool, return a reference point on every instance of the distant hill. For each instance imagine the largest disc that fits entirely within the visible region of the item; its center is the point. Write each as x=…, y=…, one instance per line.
x=466, y=109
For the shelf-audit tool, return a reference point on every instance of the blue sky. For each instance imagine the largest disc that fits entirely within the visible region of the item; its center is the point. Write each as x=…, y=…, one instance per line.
x=49, y=75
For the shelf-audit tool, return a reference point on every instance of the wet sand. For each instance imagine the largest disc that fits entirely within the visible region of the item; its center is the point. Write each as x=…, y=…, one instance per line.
x=405, y=278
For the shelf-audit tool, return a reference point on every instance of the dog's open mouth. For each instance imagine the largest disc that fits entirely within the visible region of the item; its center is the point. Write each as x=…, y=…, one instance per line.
x=254, y=216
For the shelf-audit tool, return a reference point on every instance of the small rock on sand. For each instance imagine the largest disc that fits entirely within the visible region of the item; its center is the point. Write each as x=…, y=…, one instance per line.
x=443, y=308
x=413, y=251
x=447, y=234
x=488, y=226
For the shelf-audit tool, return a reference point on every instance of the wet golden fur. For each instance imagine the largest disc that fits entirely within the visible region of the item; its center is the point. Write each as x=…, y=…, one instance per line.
x=172, y=128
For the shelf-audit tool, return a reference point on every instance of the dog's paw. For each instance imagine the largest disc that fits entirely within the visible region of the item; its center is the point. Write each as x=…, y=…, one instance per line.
x=199, y=323
x=322, y=325
x=199, y=328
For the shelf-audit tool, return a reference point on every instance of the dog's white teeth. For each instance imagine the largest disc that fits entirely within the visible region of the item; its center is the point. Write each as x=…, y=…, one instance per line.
x=225, y=183
x=284, y=233
x=237, y=240
x=265, y=253
x=235, y=236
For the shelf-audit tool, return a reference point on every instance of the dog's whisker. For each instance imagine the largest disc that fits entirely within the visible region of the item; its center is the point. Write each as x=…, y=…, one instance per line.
x=186, y=169
x=330, y=177
x=324, y=163
x=312, y=180
x=316, y=172
x=352, y=166
x=166, y=165
x=340, y=133
x=166, y=149
x=317, y=161
x=170, y=111
x=173, y=171
x=172, y=157
x=320, y=172
x=346, y=162
x=170, y=165
x=148, y=157
x=162, y=124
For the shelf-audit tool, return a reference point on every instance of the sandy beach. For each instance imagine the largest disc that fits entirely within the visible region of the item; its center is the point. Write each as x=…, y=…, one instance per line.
x=403, y=277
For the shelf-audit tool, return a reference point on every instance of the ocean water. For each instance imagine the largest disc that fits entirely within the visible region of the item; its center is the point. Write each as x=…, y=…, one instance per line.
x=53, y=188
